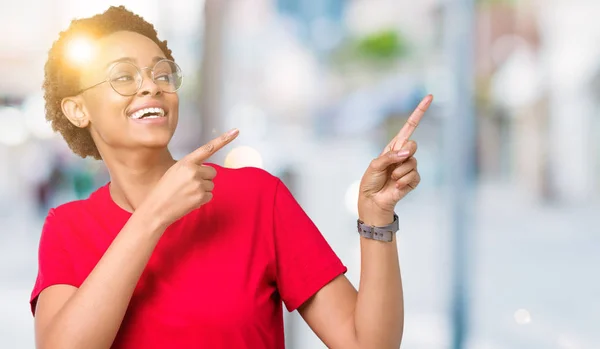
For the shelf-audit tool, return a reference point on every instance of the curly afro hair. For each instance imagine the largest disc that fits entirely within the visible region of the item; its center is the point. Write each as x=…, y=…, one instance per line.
x=61, y=79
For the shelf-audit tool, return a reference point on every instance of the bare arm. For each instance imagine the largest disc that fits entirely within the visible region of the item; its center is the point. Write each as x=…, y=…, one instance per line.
x=379, y=314
x=373, y=317
x=90, y=316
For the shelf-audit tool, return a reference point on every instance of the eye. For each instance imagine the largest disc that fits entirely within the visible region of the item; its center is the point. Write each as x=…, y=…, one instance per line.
x=163, y=77
x=123, y=77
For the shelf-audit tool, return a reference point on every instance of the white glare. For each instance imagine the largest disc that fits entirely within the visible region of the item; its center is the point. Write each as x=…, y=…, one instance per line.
x=12, y=127
x=80, y=50
x=351, y=198
x=522, y=316
x=243, y=156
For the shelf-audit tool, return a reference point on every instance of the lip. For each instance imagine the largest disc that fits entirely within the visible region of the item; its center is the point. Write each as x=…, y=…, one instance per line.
x=154, y=104
x=157, y=121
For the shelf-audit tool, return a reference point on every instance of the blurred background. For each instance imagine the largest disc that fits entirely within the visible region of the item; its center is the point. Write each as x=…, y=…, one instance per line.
x=498, y=245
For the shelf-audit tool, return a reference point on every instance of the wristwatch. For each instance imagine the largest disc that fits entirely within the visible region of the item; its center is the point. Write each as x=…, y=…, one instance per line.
x=385, y=233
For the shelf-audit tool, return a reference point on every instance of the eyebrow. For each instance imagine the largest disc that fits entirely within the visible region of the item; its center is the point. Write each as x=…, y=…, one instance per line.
x=132, y=60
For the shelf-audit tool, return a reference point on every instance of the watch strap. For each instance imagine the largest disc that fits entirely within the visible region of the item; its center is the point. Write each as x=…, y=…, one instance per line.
x=385, y=233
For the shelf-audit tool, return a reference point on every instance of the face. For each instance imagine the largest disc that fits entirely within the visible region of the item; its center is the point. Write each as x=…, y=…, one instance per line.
x=115, y=121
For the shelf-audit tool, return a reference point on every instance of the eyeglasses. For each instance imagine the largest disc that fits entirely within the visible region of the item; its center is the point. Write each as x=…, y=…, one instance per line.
x=126, y=78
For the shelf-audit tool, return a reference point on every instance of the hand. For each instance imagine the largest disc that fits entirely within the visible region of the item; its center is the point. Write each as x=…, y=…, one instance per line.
x=392, y=175
x=188, y=184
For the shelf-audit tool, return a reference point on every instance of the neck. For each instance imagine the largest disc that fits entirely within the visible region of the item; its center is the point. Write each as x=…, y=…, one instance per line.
x=134, y=173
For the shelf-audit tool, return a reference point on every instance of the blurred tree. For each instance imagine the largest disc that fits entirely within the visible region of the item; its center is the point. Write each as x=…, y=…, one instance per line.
x=380, y=49
x=383, y=45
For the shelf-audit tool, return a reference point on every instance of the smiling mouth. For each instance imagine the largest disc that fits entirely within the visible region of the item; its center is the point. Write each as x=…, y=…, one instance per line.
x=148, y=113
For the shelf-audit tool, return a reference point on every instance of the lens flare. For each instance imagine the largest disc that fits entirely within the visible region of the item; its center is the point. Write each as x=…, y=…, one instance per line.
x=80, y=50
x=243, y=156
x=522, y=317
x=351, y=197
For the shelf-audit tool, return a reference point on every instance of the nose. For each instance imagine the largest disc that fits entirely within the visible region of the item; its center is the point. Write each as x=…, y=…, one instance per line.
x=149, y=87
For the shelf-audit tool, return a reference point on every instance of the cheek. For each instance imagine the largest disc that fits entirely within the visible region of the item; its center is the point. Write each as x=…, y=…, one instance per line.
x=107, y=108
x=107, y=113
x=173, y=102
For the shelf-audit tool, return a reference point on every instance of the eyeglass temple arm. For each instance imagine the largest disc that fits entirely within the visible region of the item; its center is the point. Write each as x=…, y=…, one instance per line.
x=91, y=87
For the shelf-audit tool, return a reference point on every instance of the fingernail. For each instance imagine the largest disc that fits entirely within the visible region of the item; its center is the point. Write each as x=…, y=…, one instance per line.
x=402, y=153
x=232, y=131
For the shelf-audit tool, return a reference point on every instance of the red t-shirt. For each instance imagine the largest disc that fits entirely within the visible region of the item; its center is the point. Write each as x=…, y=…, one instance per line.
x=217, y=277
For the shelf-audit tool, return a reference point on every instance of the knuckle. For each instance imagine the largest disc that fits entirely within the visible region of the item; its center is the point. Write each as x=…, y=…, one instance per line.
x=414, y=177
x=413, y=145
x=208, y=172
x=373, y=165
x=212, y=173
x=188, y=170
x=207, y=197
x=392, y=146
x=404, y=180
x=189, y=165
x=209, y=147
x=208, y=185
x=185, y=164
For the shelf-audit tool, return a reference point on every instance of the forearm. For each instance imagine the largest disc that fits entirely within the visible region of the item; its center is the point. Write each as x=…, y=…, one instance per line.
x=379, y=312
x=92, y=316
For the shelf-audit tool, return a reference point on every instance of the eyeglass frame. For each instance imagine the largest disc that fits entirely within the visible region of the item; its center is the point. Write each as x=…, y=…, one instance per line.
x=140, y=70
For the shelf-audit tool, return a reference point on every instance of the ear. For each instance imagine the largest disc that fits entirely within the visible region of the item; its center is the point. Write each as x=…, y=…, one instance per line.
x=74, y=110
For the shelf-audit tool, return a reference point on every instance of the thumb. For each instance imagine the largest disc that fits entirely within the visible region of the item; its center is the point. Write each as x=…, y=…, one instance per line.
x=381, y=163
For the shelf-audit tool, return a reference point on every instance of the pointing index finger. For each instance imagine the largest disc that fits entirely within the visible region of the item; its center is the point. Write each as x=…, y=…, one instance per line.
x=411, y=124
x=207, y=150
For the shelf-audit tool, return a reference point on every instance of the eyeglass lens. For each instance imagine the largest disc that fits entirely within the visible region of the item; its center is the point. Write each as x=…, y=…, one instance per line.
x=126, y=78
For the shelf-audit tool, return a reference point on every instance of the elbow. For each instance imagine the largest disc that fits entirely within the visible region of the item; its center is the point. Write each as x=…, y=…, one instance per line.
x=45, y=343
x=390, y=341
x=48, y=341
x=55, y=339
x=60, y=344
x=381, y=346
x=378, y=346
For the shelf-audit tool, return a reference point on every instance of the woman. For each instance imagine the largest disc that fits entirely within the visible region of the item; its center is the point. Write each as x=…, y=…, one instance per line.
x=188, y=254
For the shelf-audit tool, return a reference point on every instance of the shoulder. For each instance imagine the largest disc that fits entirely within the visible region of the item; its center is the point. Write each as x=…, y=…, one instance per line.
x=253, y=173
x=248, y=186
x=76, y=211
x=95, y=198
x=59, y=227
x=246, y=178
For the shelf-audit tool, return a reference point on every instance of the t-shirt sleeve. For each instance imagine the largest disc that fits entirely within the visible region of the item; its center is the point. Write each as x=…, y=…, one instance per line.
x=54, y=264
x=305, y=260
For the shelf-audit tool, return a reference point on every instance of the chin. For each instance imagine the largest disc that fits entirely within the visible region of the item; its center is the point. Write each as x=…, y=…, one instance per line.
x=154, y=141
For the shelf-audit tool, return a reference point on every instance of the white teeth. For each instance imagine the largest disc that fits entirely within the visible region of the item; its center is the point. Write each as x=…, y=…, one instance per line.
x=158, y=112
